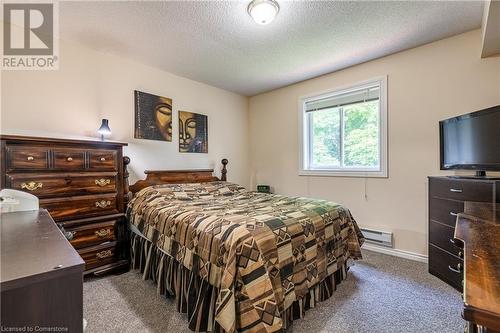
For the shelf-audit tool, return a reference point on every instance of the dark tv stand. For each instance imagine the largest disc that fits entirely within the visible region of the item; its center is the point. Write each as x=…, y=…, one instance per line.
x=447, y=197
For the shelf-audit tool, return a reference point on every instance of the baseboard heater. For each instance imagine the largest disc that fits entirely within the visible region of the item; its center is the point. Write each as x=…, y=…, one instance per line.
x=382, y=238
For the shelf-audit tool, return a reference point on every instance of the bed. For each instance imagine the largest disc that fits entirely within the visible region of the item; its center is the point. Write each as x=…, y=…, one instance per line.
x=237, y=260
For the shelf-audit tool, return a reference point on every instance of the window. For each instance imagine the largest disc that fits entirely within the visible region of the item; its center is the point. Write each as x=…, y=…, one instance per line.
x=344, y=132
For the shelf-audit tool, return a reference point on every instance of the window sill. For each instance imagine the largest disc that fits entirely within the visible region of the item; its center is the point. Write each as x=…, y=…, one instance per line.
x=347, y=173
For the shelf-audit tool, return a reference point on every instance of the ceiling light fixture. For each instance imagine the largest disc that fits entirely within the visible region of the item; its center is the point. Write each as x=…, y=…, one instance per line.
x=263, y=11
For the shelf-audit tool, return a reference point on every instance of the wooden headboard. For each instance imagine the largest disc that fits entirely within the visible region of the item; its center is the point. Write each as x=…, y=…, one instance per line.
x=155, y=177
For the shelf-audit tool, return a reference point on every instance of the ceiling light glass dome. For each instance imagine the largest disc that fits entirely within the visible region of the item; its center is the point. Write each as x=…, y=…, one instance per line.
x=263, y=11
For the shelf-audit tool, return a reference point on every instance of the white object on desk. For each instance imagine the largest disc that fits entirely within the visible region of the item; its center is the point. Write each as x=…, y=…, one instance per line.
x=17, y=201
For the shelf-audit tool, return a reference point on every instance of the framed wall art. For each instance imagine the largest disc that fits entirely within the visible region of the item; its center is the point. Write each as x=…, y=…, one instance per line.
x=153, y=117
x=193, y=132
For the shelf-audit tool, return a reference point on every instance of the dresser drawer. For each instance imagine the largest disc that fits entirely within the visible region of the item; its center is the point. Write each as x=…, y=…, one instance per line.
x=79, y=207
x=445, y=211
x=93, y=234
x=69, y=159
x=98, y=255
x=27, y=158
x=103, y=160
x=53, y=185
x=441, y=264
x=459, y=189
x=443, y=236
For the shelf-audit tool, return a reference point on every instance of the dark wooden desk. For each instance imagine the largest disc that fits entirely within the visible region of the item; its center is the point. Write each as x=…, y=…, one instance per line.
x=482, y=270
x=41, y=275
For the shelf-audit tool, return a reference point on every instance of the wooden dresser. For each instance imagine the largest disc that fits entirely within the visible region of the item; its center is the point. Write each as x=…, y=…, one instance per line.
x=482, y=271
x=81, y=183
x=41, y=278
x=448, y=197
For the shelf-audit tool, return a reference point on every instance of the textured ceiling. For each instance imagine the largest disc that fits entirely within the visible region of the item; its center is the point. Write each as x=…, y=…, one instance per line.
x=219, y=44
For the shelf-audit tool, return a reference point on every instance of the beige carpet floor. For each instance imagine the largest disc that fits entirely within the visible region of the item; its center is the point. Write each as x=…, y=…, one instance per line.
x=381, y=294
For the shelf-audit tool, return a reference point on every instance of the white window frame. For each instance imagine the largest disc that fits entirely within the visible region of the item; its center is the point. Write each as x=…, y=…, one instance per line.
x=304, y=133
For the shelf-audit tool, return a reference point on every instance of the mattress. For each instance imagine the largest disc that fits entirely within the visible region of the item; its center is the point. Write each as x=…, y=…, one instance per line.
x=263, y=257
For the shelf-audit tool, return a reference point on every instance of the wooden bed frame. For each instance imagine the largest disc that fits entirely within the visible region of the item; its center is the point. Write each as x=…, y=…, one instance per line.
x=155, y=177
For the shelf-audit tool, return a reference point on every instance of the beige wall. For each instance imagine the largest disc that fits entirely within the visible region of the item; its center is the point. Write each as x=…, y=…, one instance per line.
x=92, y=85
x=425, y=84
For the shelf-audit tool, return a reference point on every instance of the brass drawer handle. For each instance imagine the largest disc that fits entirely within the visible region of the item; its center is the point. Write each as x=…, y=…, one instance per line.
x=30, y=158
x=460, y=254
x=104, y=254
x=102, y=182
x=31, y=185
x=103, y=233
x=455, y=190
x=69, y=159
x=457, y=270
x=102, y=159
x=102, y=203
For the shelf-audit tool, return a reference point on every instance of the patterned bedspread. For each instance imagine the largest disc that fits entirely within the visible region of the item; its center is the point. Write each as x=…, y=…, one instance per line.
x=263, y=251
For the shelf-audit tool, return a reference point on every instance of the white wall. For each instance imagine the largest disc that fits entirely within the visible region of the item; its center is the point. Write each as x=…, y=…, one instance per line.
x=91, y=85
x=425, y=85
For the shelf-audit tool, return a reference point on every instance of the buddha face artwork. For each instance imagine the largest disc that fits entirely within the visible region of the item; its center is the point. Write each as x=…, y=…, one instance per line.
x=193, y=132
x=153, y=117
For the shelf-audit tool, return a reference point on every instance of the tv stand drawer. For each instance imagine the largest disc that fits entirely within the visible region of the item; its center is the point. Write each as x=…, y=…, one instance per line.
x=445, y=211
x=443, y=236
x=446, y=266
x=461, y=189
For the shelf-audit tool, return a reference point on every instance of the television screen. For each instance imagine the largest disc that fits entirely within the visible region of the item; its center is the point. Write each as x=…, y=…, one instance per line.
x=471, y=141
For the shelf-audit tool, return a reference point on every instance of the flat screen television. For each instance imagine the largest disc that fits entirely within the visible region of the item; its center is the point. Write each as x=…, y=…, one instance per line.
x=471, y=141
